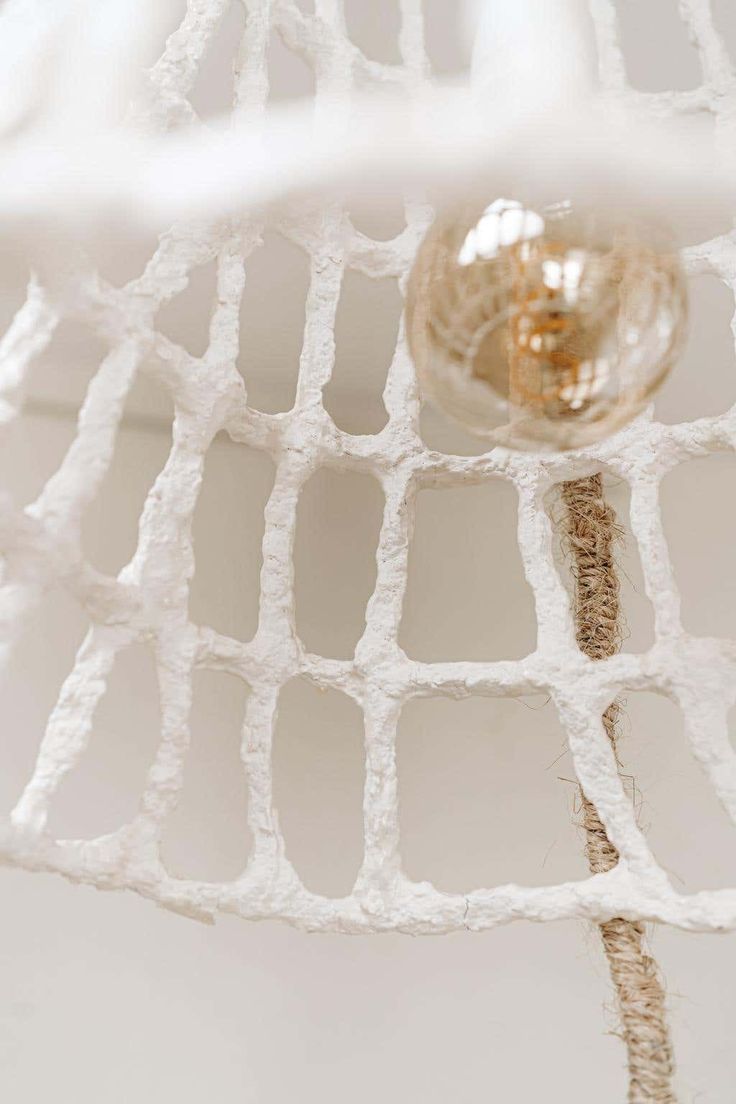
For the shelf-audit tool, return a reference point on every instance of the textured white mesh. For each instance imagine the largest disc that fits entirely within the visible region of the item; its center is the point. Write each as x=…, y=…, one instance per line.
x=148, y=602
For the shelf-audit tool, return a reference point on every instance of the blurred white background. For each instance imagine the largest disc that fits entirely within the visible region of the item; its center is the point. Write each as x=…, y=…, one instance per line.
x=106, y=998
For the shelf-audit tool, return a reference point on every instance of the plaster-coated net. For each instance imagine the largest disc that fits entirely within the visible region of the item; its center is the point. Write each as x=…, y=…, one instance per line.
x=148, y=602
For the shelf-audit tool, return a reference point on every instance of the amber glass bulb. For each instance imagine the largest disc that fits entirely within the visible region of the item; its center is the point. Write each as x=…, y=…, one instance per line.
x=545, y=329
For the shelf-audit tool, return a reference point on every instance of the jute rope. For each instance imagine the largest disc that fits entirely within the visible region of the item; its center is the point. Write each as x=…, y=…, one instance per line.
x=589, y=531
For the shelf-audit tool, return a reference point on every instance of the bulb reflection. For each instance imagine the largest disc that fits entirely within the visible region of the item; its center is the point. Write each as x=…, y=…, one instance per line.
x=543, y=328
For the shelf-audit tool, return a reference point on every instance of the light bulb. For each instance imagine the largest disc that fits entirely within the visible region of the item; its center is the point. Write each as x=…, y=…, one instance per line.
x=544, y=329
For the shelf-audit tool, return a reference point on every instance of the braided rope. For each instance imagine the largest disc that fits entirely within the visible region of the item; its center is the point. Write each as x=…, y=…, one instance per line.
x=590, y=531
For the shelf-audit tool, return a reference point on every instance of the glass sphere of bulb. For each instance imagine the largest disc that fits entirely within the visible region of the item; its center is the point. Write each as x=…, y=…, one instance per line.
x=544, y=329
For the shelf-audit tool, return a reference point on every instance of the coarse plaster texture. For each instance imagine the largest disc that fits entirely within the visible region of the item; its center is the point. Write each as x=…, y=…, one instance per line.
x=148, y=601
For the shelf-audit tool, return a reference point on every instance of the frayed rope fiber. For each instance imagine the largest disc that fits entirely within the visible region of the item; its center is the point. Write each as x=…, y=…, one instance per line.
x=589, y=533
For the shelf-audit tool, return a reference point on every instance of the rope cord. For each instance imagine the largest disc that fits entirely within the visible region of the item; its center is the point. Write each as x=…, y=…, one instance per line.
x=589, y=532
